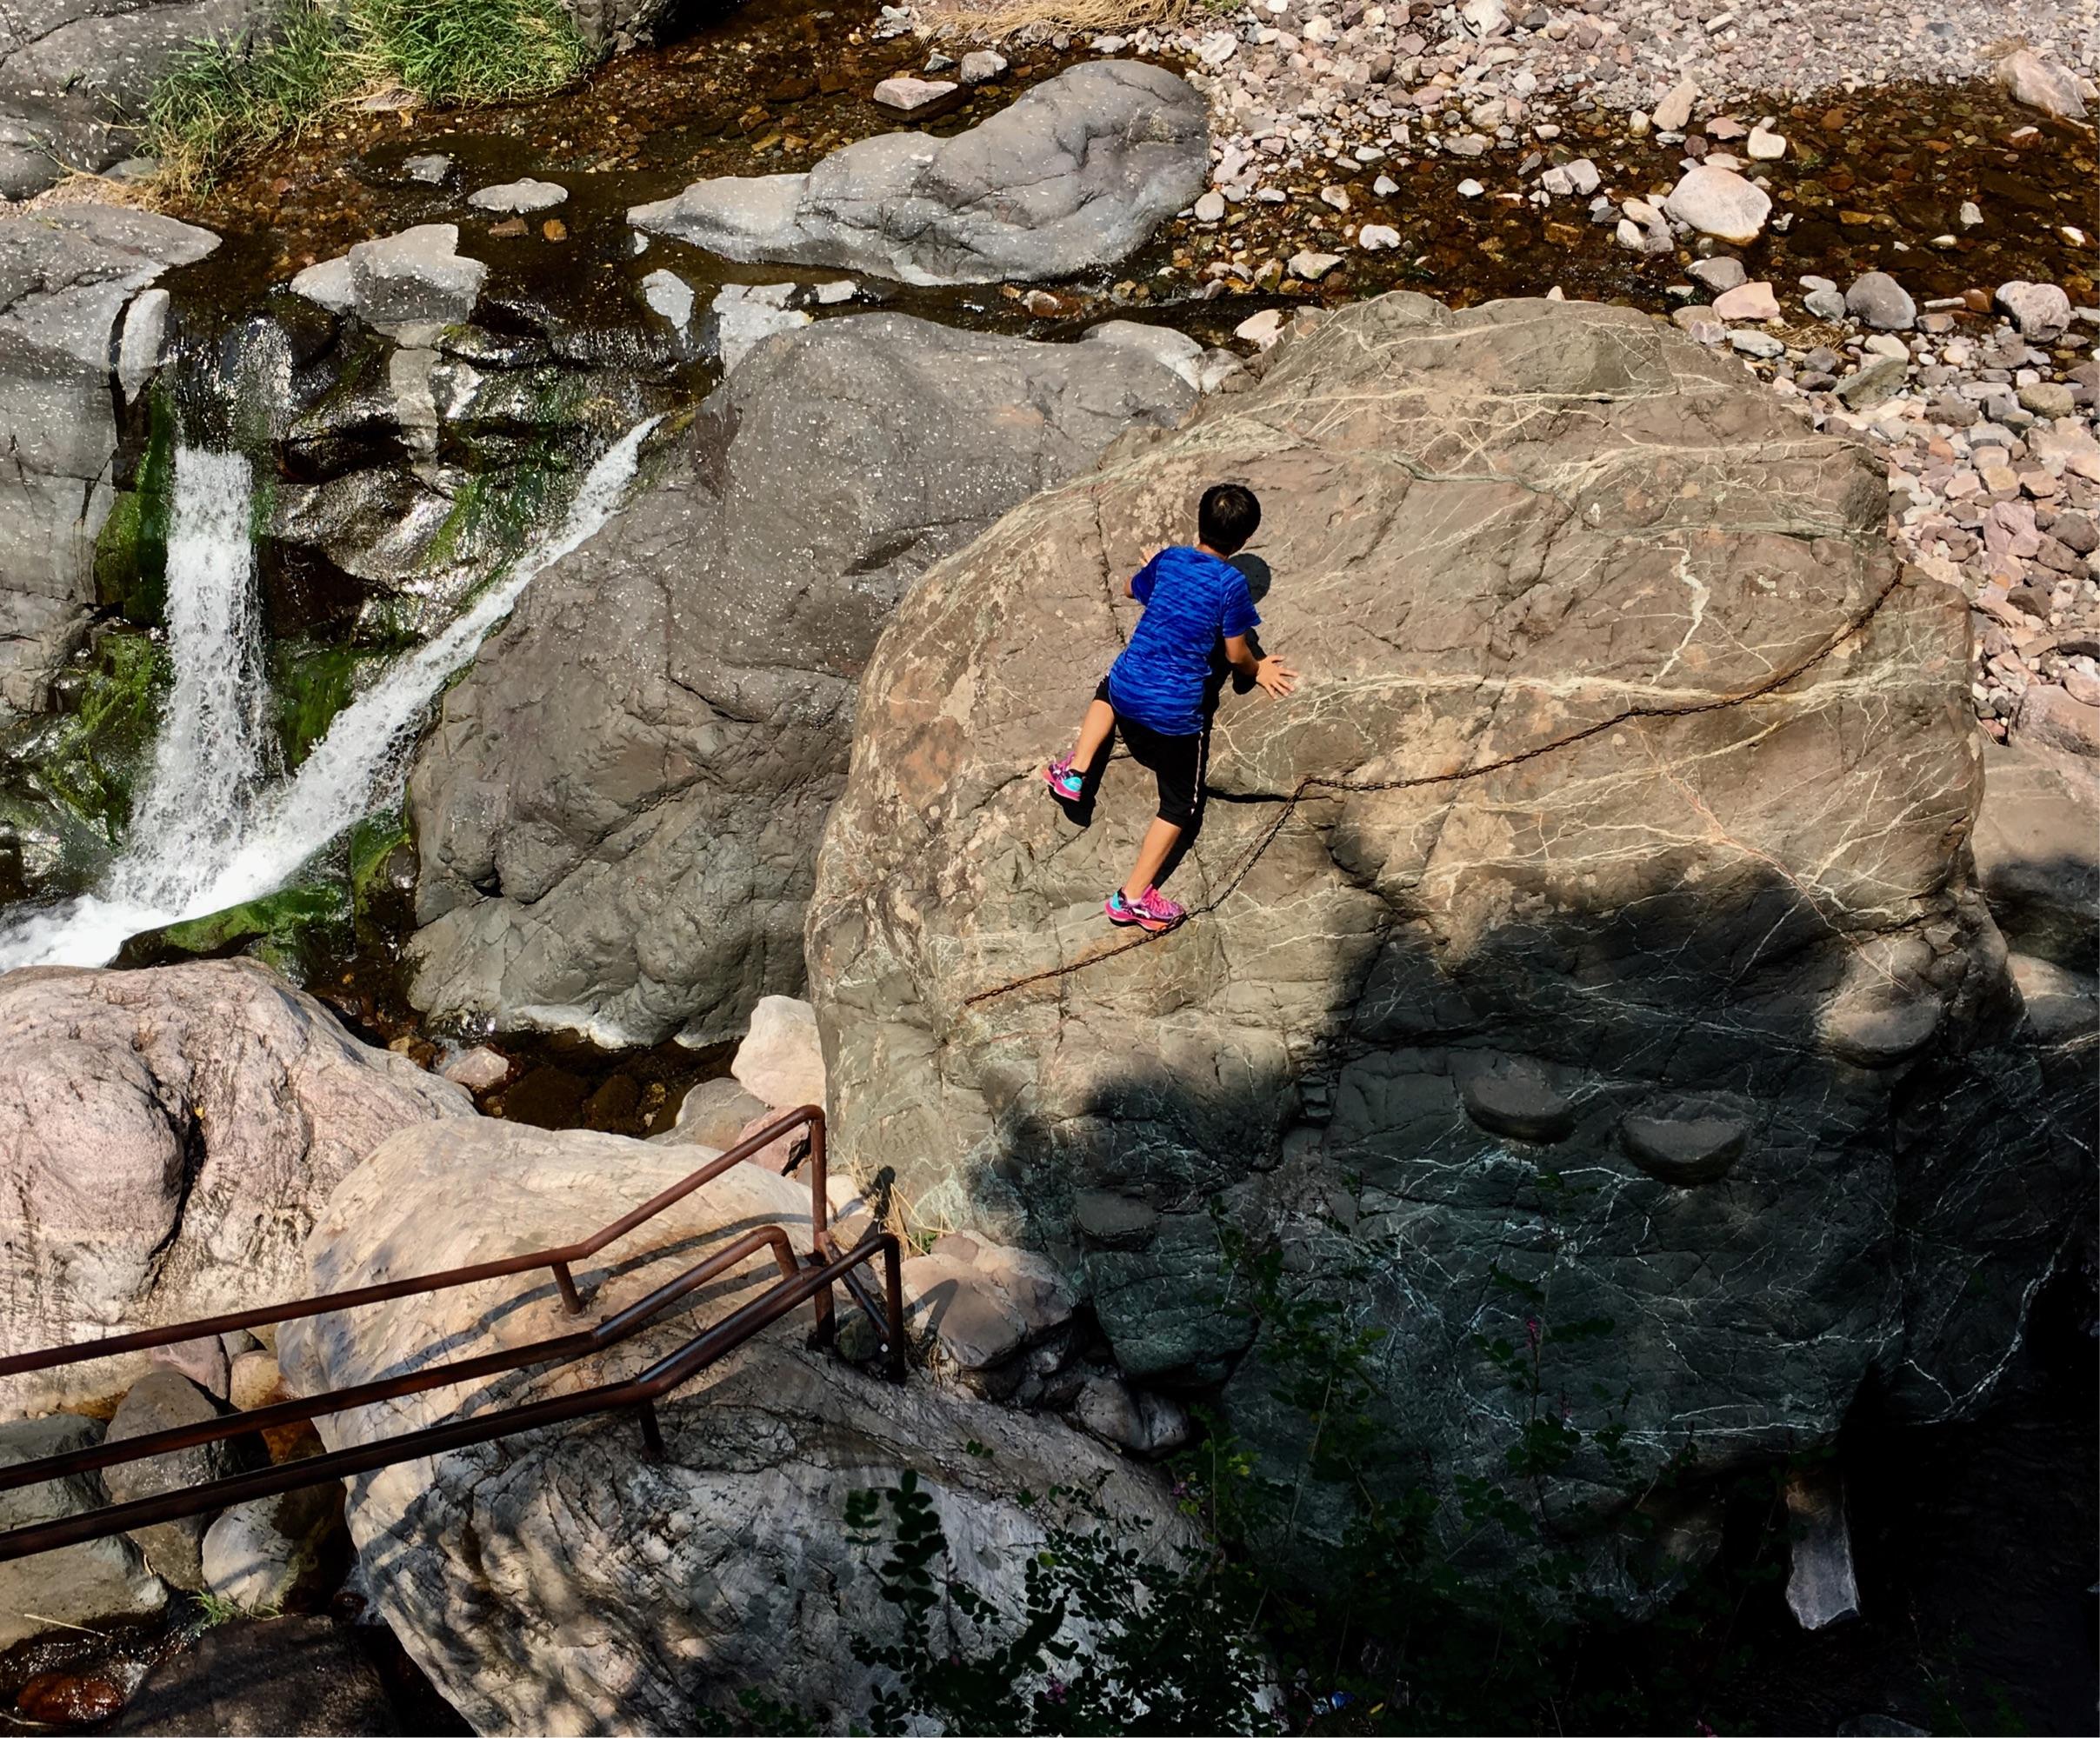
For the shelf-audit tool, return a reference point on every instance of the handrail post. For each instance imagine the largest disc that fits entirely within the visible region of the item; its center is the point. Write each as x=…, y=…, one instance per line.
x=893, y=1281
x=820, y=1187
x=570, y=1300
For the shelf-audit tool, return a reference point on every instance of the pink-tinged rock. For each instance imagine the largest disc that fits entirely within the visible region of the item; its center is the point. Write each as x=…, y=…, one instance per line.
x=1747, y=301
x=2042, y=85
x=915, y=98
x=780, y=1059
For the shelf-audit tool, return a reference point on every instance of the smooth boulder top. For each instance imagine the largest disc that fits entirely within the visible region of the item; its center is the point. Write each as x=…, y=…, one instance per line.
x=722, y=1565
x=166, y=1138
x=1628, y=778
x=1078, y=172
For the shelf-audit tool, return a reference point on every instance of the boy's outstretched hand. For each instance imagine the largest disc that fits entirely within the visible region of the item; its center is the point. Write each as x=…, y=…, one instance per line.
x=1275, y=677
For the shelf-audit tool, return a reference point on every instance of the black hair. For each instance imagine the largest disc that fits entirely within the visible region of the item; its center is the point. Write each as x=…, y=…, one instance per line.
x=1229, y=514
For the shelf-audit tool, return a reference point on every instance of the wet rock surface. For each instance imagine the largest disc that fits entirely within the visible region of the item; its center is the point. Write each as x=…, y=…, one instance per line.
x=85, y=1584
x=1439, y=824
x=617, y=808
x=167, y=1137
x=720, y=1565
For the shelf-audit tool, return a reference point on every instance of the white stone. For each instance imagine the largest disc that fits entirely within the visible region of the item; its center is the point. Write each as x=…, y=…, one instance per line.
x=481, y=1068
x=836, y=290
x=145, y=338
x=980, y=66
x=519, y=195
x=1377, y=238
x=1313, y=267
x=1972, y=214
x=1485, y=18
x=1766, y=147
x=668, y=294
x=1470, y=188
x=780, y=1059
x=328, y=284
x=1210, y=208
x=1262, y=330
x=2041, y=84
x=1718, y=202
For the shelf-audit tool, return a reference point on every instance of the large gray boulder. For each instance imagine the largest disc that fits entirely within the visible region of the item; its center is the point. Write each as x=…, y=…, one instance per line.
x=1077, y=173
x=67, y=276
x=1561, y=947
x=166, y=1137
x=75, y=75
x=564, y=1581
x=82, y=1584
x=618, y=810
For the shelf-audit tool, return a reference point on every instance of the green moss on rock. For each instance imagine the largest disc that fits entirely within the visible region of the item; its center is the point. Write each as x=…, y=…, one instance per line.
x=131, y=550
x=287, y=929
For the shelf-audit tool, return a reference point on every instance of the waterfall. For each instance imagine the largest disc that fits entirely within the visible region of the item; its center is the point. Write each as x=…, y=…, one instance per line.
x=207, y=832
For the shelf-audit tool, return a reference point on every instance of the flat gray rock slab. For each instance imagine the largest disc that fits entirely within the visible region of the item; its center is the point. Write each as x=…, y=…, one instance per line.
x=519, y=195
x=1077, y=173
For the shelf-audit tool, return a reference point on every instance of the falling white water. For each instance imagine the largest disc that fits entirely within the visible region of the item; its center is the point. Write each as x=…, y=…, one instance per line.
x=204, y=836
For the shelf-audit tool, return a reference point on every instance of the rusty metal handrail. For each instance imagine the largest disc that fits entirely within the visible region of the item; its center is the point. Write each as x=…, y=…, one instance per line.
x=559, y=1260
x=798, y=1284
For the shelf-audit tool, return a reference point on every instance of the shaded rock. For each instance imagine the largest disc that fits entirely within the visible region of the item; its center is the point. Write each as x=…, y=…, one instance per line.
x=166, y=1138
x=283, y=1552
x=720, y=1567
x=1878, y=300
x=2036, y=850
x=1873, y=382
x=254, y=1381
x=162, y=1400
x=407, y=285
x=87, y=1583
x=67, y=273
x=277, y=1677
x=1723, y=272
x=2060, y=1005
x=1685, y=1145
x=1512, y=1095
x=2051, y=717
x=715, y=1113
x=1076, y=173
x=1820, y=1587
x=1169, y=348
x=1119, y=1221
x=1502, y=817
x=1718, y=202
x=618, y=808
x=1141, y=1423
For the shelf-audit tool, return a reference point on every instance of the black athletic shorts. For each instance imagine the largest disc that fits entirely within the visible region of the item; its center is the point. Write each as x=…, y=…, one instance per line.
x=1176, y=761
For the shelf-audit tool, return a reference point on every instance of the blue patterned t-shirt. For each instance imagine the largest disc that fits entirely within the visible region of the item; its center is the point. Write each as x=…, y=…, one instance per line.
x=1192, y=602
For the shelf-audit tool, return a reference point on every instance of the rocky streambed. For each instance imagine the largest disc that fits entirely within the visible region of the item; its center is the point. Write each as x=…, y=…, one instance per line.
x=500, y=548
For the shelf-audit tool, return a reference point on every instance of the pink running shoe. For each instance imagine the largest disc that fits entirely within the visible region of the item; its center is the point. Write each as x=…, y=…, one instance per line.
x=1065, y=785
x=1152, y=911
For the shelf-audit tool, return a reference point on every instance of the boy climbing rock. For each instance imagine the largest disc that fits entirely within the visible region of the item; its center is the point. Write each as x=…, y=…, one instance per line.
x=1158, y=692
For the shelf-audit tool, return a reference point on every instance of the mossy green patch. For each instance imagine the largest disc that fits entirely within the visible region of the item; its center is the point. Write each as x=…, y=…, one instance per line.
x=87, y=759
x=287, y=929
x=382, y=853
x=131, y=550
x=309, y=682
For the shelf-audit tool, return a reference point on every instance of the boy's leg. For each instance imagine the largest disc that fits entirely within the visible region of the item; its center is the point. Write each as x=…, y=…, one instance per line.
x=1158, y=843
x=1094, y=730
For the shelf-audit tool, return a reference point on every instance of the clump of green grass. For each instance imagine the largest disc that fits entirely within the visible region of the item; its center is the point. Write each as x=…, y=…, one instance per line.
x=222, y=102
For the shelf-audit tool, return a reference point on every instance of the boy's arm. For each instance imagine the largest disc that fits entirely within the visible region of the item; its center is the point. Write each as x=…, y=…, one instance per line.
x=1140, y=585
x=1273, y=674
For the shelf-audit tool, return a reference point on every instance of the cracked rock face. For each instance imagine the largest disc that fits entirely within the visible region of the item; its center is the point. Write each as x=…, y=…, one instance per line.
x=1628, y=779
x=564, y=1581
x=1076, y=173
x=619, y=810
x=166, y=1137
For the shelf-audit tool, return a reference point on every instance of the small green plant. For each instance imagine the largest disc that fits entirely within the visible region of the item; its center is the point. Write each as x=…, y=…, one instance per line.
x=223, y=101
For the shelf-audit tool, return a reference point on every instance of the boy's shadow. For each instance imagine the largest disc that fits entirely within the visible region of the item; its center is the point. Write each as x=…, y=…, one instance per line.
x=1260, y=577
